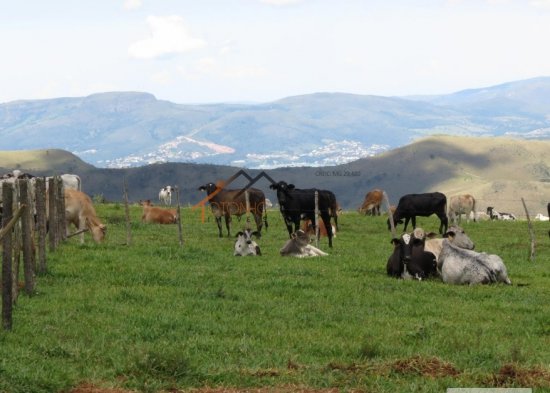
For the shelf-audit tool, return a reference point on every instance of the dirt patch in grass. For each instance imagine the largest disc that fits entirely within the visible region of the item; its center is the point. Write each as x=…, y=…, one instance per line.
x=90, y=388
x=427, y=367
x=513, y=375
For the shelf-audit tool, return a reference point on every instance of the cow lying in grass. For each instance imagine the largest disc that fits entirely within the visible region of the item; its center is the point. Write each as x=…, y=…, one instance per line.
x=298, y=246
x=245, y=245
x=153, y=214
x=409, y=259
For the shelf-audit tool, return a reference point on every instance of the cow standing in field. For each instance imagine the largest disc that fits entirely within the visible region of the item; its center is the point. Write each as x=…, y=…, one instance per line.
x=299, y=246
x=373, y=201
x=459, y=205
x=165, y=195
x=461, y=266
x=296, y=204
x=225, y=203
x=309, y=228
x=156, y=215
x=79, y=211
x=412, y=205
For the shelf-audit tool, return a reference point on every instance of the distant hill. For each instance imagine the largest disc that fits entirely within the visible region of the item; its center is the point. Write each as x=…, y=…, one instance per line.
x=498, y=171
x=125, y=129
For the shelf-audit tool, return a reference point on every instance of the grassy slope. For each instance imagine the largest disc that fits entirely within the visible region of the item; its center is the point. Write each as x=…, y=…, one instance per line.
x=156, y=316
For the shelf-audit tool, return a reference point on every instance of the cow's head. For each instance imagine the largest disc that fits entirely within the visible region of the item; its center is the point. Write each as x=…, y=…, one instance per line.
x=244, y=245
x=283, y=191
x=208, y=187
x=98, y=230
x=459, y=238
x=403, y=246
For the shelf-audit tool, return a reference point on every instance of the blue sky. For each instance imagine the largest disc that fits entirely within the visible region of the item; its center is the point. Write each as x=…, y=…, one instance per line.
x=201, y=51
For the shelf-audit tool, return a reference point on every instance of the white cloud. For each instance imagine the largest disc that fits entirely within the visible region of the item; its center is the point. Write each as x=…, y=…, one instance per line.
x=280, y=2
x=541, y=3
x=132, y=4
x=169, y=35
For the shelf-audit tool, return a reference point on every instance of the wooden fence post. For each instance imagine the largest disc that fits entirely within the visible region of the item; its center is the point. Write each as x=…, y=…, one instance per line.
x=52, y=207
x=41, y=217
x=531, y=232
x=7, y=278
x=26, y=236
x=60, y=201
x=127, y=213
x=390, y=215
x=316, y=217
x=178, y=215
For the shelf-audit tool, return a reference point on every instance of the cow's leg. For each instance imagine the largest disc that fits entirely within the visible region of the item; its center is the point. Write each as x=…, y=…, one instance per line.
x=413, y=220
x=444, y=223
x=228, y=224
x=258, y=219
x=406, y=223
x=328, y=226
x=219, y=223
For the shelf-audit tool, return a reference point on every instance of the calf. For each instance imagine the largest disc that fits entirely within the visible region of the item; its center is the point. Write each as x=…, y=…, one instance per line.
x=409, y=259
x=298, y=246
x=309, y=228
x=461, y=204
x=460, y=266
x=79, y=211
x=412, y=205
x=165, y=195
x=373, y=201
x=495, y=215
x=153, y=214
x=244, y=245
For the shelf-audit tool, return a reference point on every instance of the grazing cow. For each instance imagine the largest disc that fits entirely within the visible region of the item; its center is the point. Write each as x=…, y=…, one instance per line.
x=373, y=201
x=412, y=205
x=165, y=195
x=245, y=246
x=409, y=259
x=309, y=228
x=296, y=204
x=298, y=246
x=79, y=211
x=454, y=234
x=495, y=215
x=153, y=214
x=459, y=205
x=461, y=266
x=226, y=203
x=541, y=217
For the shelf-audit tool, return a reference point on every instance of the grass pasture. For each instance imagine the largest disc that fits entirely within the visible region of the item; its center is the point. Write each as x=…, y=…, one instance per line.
x=155, y=316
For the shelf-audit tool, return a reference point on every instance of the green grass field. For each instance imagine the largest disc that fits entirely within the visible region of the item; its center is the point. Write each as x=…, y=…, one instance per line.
x=153, y=316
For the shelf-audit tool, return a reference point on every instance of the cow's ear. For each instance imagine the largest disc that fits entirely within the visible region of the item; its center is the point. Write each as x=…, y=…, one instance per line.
x=431, y=235
x=290, y=186
x=239, y=234
x=273, y=186
x=394, y=241
x=449, y=234
x=257, y=234
x=202, y=188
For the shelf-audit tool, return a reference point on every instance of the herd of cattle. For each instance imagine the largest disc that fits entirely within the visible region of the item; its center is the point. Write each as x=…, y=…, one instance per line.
x=416, y=255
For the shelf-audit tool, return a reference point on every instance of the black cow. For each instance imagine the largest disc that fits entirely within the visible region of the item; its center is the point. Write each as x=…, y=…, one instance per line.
x=224, y=202
x=412, y=205
x=409, y=260
x=296, y=204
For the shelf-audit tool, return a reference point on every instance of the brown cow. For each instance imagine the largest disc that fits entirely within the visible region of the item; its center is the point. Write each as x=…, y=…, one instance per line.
x=461, y=204
x=157, y=215
x=309, y=228
x=373, y=201
x=225, y=202
x=79, y=211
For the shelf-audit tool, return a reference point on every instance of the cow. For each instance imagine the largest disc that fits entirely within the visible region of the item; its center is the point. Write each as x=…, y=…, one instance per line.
x=226, y=202
x=69, y=181
x=541, y=217
x=309, y=228
x=461, y=266
x=459, y=205
x=299, y=246
x=373, y=201
x=409, y=259
x=79, y=211
x=165, y=195
x=454, y=234
x=245, y=245
x=296, y=204
x=157, y=215
x=412, y=205
x=495, y=215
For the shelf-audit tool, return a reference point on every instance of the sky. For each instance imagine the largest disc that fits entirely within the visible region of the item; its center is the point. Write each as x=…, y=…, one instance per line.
x=211, y=51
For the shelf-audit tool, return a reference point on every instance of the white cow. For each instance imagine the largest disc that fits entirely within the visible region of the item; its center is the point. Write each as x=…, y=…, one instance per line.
x=245, y=246
x=461, y=266
x=165, y=195
x=298, y=246
x=70, y=182
x=541, y=217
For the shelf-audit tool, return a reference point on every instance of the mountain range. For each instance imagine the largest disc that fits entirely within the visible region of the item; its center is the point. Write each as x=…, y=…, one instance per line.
x=130, y=129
